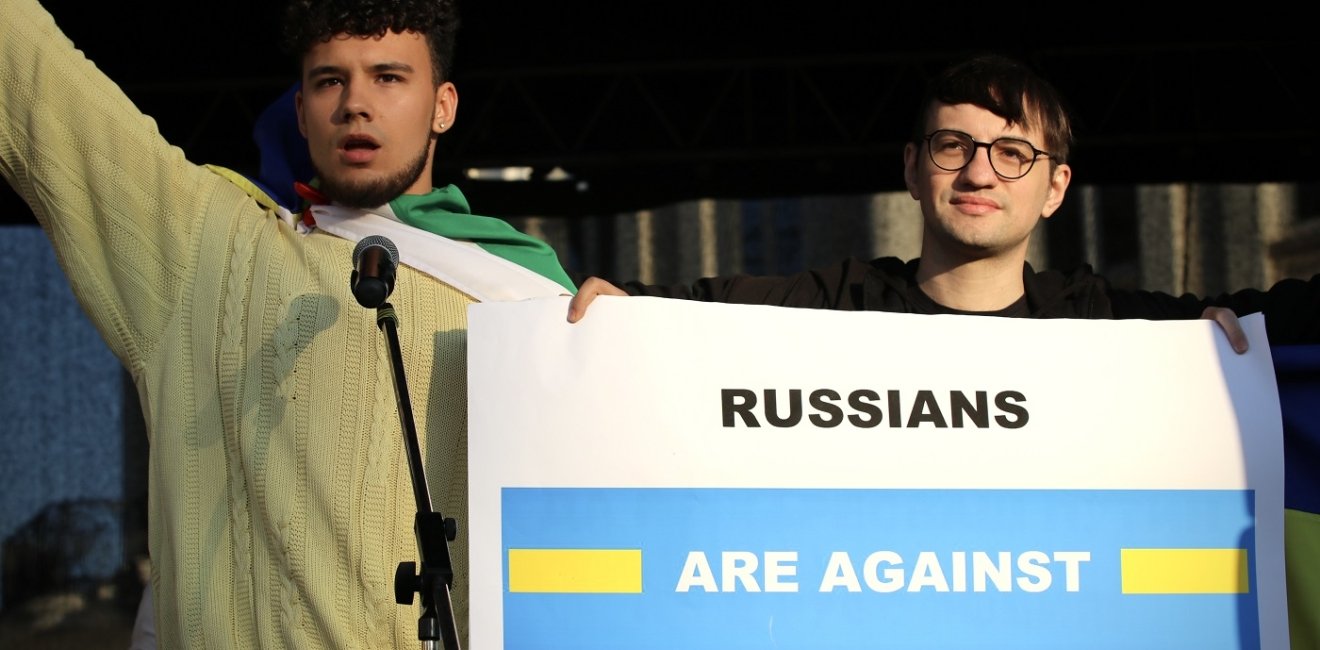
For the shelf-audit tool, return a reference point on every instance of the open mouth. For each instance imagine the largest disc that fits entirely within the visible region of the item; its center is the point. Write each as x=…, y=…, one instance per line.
x=359, y=142
x=359, y=148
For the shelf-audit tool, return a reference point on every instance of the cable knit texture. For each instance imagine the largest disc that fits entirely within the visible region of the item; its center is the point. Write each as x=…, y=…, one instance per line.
x=280, y=496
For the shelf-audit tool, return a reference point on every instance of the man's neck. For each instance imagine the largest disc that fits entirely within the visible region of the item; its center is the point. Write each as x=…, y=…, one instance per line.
x=986, y=284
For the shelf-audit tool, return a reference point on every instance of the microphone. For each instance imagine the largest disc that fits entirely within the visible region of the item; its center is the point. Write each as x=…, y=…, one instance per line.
x=374, y=261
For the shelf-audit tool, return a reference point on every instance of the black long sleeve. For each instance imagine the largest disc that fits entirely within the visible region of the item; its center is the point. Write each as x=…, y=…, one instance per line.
x=1291, y=307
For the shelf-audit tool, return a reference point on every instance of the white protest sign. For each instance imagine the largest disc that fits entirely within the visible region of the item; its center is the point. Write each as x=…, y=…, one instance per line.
x=677, y=474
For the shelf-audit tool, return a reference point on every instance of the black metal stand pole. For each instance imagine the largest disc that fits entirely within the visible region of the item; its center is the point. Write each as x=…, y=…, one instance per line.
x=434, y=531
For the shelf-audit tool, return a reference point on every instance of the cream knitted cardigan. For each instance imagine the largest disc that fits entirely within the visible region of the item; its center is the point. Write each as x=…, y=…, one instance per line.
x=280, y=499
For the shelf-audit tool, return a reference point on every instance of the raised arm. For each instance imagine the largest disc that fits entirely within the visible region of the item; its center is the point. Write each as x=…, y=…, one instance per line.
x=120, y=205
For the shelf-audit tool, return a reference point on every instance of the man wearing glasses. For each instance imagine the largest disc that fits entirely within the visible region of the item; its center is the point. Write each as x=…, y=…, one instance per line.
x=987, y=161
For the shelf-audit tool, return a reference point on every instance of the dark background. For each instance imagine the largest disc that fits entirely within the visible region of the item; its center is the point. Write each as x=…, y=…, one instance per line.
x=646, y=104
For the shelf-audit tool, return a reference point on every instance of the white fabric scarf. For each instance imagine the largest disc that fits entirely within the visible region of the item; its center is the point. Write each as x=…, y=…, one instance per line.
x=464, y=266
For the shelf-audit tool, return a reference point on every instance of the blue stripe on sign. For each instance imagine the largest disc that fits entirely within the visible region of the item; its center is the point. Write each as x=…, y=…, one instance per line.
x=926, y=550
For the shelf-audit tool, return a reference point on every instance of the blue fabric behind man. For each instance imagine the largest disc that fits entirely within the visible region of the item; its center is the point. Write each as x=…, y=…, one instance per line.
x=1297, y=368
x=284, y=154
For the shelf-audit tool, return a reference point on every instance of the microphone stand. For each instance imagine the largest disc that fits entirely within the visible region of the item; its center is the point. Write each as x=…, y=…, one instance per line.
x=434, y=531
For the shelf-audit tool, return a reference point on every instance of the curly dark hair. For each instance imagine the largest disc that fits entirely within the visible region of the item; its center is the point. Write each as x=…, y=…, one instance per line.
x=308, y=22
x=1008, y=88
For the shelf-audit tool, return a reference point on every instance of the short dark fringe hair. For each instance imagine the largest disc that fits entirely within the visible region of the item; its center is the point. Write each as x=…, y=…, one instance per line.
x=1007, y=88
x=308, y=22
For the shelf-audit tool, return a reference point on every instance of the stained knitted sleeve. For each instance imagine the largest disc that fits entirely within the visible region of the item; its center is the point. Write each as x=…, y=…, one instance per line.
x=118, y=203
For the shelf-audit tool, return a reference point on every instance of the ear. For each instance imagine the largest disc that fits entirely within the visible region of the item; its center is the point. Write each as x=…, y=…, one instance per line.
x=1059, y=180
x=910, y=162
x=298, y=106
x=446, y=107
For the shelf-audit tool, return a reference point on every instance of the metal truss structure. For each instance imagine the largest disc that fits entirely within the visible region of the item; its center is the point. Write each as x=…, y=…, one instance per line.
x=624, y=136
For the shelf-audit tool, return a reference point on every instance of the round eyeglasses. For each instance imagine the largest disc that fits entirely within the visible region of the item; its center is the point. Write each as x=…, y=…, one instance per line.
x=1011, y=158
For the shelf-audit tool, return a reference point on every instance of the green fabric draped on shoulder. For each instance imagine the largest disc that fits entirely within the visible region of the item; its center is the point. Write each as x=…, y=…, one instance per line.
x=445, y=212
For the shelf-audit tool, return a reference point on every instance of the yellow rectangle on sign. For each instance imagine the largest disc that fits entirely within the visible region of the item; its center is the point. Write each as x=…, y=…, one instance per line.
x=575, y=571
x=1184, y=571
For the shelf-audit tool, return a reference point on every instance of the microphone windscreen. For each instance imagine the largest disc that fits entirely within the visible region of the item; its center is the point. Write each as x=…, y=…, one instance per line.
x=376, y=240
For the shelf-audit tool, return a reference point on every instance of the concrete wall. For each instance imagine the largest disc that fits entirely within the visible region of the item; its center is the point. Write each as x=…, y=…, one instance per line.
x=71, y=459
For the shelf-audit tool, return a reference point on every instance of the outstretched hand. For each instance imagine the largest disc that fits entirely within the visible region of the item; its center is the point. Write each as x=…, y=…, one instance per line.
x=577, y=307
x=1228, y=321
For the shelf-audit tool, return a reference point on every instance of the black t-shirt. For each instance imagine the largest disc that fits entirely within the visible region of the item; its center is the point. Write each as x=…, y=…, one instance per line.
x=923, y=304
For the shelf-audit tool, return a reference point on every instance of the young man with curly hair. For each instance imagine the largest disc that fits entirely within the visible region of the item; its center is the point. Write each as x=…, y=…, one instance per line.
x=280, y=502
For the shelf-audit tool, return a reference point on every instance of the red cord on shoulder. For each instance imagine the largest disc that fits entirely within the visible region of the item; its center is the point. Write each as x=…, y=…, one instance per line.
x=313, y=196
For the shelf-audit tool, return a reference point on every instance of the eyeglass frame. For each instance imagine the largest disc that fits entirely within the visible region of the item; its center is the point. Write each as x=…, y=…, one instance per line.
x=977, y=144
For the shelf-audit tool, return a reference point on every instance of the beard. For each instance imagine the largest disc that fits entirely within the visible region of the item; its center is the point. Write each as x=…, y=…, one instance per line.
x=373, y=193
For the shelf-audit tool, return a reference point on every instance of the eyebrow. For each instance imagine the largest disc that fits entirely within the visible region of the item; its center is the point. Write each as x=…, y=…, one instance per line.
x=387, y=66
x=1019, y=138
